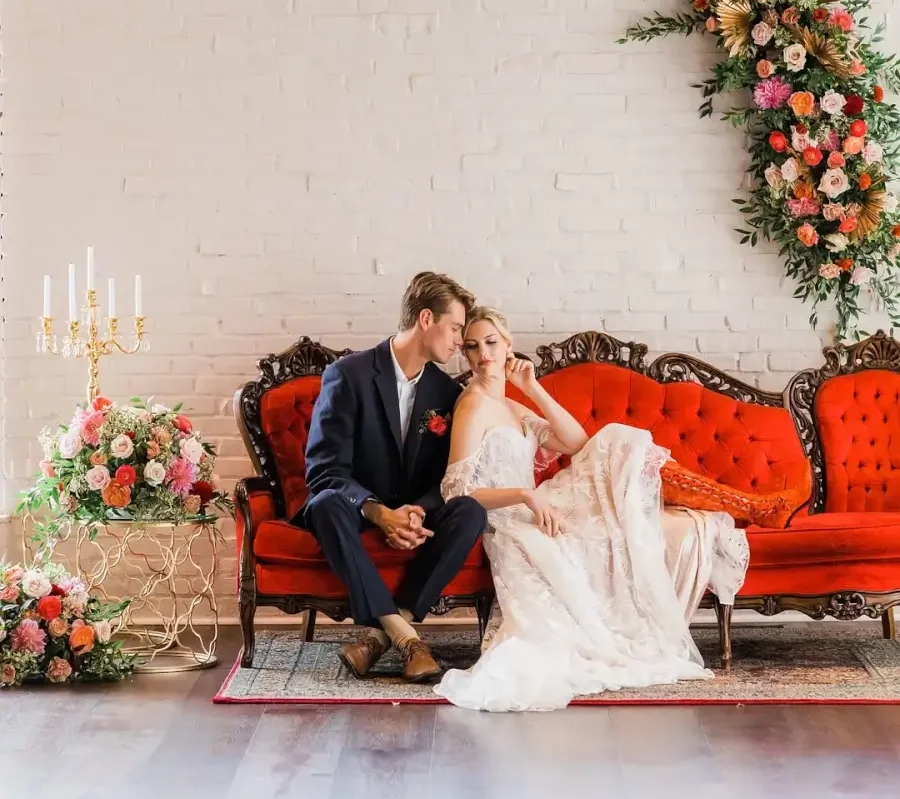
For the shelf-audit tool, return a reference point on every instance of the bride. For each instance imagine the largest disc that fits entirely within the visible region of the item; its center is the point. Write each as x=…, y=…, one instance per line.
x=596, y=581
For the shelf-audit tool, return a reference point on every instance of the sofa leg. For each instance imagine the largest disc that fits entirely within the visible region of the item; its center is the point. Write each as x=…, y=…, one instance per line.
x=723, y=616
x=483, y=604
x=309, y=625
x=247, y=612
x=888, y=625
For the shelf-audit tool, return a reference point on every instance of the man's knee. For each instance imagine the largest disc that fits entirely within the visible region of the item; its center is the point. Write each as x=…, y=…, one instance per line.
x=468, y=515
x=326, y=505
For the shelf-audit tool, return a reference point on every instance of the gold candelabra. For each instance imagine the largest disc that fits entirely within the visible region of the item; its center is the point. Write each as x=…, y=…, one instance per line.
x=94, y=346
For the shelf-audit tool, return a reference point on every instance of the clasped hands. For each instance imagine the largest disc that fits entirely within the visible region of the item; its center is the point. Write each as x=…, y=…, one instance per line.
x=403, y=527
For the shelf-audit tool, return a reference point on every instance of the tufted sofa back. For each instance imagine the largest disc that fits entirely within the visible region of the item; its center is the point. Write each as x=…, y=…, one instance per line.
x=858, y=417
x=750, y=447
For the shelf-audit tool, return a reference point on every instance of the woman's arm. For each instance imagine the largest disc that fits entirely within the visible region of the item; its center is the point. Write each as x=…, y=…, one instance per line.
x=466, y=434
x=566, y=435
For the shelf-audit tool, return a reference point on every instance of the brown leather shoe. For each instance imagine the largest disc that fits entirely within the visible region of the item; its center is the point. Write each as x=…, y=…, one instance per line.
x=361, y=655
x=418, y=664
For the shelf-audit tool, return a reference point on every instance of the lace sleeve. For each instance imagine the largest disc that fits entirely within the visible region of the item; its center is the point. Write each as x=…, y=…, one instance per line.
x=540, y=427
x=459, y=479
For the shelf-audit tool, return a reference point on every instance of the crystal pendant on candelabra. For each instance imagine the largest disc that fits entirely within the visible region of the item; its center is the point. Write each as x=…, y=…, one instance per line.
x=145, y=343
x=45, y=343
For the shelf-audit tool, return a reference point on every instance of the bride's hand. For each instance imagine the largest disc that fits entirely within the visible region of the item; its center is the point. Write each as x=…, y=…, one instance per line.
x=546, y=517
x=520, y=372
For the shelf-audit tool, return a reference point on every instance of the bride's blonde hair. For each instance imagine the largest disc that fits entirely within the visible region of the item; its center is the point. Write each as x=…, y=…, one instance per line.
x=484, y=313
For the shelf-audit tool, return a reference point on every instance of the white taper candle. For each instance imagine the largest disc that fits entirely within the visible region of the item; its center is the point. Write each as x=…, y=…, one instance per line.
x=47, y=298
x=138, y=304
x=112, y=298
x=73, y=302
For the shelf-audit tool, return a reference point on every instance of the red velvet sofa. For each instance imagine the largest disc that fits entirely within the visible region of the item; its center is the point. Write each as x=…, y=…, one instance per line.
x=834, y=433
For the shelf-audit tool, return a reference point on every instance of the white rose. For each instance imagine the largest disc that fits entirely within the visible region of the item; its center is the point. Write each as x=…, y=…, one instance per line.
x=860, y=276
x=835, y=242
x=192, y=449
x=789, y=170
x=872, y=152
x=832, y=102
x=795, y=57
x=102, y=630
x=773, y=176
x=157, y=408
x=834, y=183
x=800, y=141
x=122, y=446
x=890, y=204
x=97, y=478
x=761, y=33
x=35, y=584
x=141, y=414
x=70, y=444
x=154, y=473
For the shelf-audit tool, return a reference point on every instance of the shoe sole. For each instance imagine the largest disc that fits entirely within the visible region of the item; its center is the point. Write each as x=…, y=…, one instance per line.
x=429, y=676
x=349, y=665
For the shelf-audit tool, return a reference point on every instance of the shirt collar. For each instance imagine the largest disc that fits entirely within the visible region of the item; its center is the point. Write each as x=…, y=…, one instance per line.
x=398, y=372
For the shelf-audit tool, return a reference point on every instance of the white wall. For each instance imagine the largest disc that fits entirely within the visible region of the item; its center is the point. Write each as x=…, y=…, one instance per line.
x=281, y=167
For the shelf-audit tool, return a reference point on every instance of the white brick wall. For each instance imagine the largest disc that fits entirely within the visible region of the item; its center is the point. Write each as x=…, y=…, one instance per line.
x=281, y=167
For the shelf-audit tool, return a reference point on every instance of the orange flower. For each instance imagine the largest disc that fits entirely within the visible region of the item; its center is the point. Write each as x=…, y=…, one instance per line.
x=865, y=181
x=812, y=156
x=802, y=103
x=845, y=264
x=836, y=160
x=858, y=127
x=847, y=225
x=116, y=495
x=853, y=145
x=807, y=234
x=777, y=141
x=878, y=94
x=764, y=68
x=895, y=231
x=790, y=16
x=81, y=639
x=98, y=458
x=804, y=191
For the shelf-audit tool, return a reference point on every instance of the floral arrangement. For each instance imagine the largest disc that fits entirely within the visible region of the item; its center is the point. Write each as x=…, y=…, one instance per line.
x=52, y=630
x=822, y=139
x=125, y=462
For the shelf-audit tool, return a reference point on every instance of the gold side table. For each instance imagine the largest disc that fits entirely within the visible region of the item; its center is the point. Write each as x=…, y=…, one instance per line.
x=167, y=570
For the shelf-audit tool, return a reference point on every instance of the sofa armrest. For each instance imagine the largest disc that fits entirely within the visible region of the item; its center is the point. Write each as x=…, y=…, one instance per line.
x=254, y=503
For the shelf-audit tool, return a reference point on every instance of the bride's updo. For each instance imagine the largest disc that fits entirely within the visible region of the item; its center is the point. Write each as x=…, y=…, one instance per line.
x=484, y=313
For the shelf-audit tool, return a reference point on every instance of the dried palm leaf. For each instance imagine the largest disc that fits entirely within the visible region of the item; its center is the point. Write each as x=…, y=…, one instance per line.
x=734, y=18
x=870, y=214
x=823, y=50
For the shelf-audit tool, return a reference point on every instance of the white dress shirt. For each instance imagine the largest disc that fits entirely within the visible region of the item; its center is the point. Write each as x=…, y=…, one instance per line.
x=406, y=393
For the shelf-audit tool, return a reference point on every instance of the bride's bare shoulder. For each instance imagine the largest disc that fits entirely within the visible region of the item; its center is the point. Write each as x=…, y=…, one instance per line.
x=469, y=401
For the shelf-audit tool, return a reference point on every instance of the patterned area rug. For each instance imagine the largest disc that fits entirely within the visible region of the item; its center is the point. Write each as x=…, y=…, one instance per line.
x=825, y=663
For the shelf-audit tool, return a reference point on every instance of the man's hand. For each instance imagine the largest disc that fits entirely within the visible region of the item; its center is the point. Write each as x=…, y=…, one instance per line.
x=402, y=527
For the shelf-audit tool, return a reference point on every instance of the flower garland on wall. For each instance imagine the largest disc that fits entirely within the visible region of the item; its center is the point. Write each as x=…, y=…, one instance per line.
x=823, y=142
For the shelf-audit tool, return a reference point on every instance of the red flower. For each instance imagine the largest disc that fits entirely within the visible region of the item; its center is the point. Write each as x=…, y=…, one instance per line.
x=895, y=231
x=847, y=225
x=203, y=490
x=812, y=156
x=777, y=141
x=854, y=105
x=100, y=404
x=130, y=434
x=49, y=607
x=183, y=424
x=845, y=264
x=858, y=127
x=437, y=425
x=126, y=475
x=55, y=590
x=801, y=129
x=820, y=15
x=878, y=94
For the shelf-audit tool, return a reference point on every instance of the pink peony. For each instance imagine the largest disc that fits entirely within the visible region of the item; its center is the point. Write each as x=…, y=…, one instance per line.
x=90, y=427
x=59, y=670
x=772, y=92
x=29, y=637
x=181, y=476
x=803, y=207
x=842, y=19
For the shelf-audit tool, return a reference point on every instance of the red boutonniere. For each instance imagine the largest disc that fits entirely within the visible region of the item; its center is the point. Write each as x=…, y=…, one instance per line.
x=433, y=422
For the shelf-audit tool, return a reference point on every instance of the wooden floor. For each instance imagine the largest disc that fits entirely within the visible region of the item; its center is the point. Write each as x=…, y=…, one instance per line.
x=161, y=736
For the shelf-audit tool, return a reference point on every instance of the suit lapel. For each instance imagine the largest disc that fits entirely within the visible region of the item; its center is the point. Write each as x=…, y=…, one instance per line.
x=421, y=404
x=386, y=383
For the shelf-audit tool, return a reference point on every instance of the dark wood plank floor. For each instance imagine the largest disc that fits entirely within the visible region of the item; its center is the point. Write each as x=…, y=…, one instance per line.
x=161, y=736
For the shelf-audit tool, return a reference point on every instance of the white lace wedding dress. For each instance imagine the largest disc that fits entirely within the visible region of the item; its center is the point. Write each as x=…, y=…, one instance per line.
x=607, y=604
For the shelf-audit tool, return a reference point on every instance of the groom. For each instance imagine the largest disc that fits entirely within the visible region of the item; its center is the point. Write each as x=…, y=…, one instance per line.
x=378, y=445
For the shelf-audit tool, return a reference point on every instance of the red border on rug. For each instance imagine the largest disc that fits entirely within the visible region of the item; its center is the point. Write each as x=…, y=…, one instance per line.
x=220, y=699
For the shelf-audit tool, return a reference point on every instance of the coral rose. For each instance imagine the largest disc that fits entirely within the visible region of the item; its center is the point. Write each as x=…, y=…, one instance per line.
x=712, y=24
x=183, y=424
x=100, y=403
x=126, y=475
x=878, y=94
x=152, y=449
x=81, y=639
x=853, y=145
x=790, y=16
x=764, y=68
x=858, y=127
x=802, y=103
x=807, y=234
x=895, y=231
x=98, y=458
x=777, y=141
x=59, y=670
x=58, y=627
x=804, y=191
x=865, y=181
x=116, y=495
x=847, y=225
x=812, y=156
x=49, y=607
x=836, y=160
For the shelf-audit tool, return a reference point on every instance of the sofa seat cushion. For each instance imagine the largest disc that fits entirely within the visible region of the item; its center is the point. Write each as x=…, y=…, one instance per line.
x=278, y=542
x=825, y=553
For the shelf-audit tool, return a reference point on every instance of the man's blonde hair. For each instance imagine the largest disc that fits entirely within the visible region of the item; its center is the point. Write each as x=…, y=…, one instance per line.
x=432, y=292
x=484, y=313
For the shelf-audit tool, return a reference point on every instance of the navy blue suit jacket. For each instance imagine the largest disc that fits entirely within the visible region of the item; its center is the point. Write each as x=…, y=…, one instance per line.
x=354, y=444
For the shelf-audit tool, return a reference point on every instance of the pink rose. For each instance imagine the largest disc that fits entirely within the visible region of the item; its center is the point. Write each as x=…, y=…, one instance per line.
x=47, y=469
x=58, y=627
x=833, y=211
x=97, y=478
x=59, y=670
x=8, y=674
x=711, y=24
x=9, y=594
